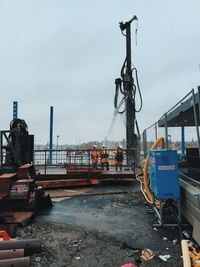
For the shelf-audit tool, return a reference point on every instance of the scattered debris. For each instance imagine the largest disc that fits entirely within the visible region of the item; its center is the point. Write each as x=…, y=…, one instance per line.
x=132, y=252
x=147, y=254
x=186, y=234
x=174, y=242
x=164, y=257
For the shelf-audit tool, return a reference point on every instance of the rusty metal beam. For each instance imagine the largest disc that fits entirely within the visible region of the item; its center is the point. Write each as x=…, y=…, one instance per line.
x=5, y=183
x=66, y=183
x=11, y=254
x=87, y=194
x=26, y=171
x=18, y=262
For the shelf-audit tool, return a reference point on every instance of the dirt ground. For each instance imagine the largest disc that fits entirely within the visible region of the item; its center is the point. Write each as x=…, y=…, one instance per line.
x=98, y=231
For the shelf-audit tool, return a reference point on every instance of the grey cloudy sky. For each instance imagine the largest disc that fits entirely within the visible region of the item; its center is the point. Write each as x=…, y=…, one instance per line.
x=68, y=53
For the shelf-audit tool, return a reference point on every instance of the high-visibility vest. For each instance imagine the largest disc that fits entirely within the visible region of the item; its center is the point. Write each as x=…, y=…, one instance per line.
x=94, y=155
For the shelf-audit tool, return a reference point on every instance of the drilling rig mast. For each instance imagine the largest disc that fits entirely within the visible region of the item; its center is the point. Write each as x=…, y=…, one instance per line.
x=128, y=90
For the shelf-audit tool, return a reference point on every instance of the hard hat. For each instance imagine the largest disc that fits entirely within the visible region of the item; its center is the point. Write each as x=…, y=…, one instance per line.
x=94, y=146
x=103, y=146
x=121, y=147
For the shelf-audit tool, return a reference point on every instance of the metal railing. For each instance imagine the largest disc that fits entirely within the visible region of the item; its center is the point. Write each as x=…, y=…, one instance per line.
x=59, y=161
x=151, y=133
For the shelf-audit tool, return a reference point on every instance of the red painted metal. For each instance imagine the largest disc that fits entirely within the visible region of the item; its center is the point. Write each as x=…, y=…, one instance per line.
x=20, y=197
x=26, y=171
x=19, y=217
x=5, y=183
x=9, y=228
x=4, y=235
x=66, y=183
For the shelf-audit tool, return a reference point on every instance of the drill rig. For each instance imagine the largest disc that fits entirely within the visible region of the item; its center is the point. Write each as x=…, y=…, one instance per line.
x=126, y=86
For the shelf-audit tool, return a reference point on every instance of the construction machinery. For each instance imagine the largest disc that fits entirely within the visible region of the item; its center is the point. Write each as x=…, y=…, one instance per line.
x=126, y=86
x=20, y=196
x=16, y=145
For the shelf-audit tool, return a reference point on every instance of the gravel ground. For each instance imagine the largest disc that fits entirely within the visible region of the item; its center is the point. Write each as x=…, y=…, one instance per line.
x=73, y=243
x=68, y=247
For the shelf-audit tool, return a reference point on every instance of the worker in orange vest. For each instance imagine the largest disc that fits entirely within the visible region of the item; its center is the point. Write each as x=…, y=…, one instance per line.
x=94, y=156
x=119, y=157
x=104, y=155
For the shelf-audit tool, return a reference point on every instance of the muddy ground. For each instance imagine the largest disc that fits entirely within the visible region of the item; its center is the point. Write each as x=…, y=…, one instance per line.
x=98, y=231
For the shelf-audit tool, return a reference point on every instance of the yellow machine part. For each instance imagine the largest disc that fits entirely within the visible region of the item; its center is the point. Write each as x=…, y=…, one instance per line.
x=146, y=190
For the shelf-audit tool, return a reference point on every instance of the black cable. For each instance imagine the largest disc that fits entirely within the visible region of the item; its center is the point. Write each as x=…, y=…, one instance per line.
x=140, y=94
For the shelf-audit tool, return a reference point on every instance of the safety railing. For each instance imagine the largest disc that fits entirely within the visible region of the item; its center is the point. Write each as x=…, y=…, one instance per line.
x=59, y=161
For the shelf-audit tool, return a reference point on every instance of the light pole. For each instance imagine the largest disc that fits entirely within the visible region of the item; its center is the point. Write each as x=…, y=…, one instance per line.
x=57, y=138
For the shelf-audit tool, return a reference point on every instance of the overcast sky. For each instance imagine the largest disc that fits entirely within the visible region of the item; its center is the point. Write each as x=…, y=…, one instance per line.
x=67, y=54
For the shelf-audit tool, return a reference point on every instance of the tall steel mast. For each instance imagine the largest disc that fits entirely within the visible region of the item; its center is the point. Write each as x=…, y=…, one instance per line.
x=129, y=90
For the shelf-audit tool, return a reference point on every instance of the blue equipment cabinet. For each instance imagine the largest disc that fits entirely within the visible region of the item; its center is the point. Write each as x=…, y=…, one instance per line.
x=163, y=170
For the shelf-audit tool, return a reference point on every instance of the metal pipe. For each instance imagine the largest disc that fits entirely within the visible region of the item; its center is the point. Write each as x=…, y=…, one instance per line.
x=51, y=135
x=12, y=253
x=196, y=120
x=45, y=162
x=30, y=246
x=156, y=131
x=19, y=262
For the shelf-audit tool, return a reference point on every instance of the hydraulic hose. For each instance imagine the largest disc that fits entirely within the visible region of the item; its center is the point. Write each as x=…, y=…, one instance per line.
x=147, y=191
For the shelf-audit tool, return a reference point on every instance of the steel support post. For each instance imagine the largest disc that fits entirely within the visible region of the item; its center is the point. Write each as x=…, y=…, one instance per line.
x=156, y=131
x=51, y=135
x=183, y=140
x=166, y=132
x=196, y=120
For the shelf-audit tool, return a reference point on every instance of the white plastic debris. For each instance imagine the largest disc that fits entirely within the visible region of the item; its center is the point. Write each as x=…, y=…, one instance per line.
x=186, y=234
x=175, y=241
x=164, y=257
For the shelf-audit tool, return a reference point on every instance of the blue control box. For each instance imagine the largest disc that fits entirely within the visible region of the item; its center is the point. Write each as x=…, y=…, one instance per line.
x=163, y=172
